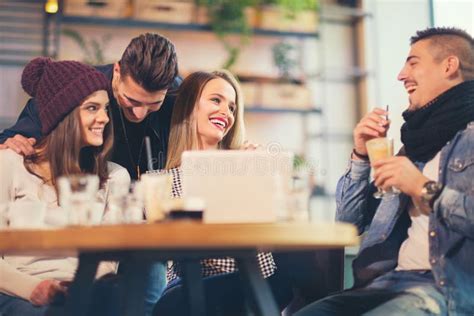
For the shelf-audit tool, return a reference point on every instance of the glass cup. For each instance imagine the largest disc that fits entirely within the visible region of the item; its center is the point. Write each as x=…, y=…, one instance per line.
x=77, y=195
x=133, y=211
x=124, y=204
x=298, y=205
x=116, y=194
x=156, y=191
x=378, y=149
x=299, y=195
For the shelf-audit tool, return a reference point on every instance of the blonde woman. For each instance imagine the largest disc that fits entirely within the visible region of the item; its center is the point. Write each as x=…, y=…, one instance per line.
x=208, y=115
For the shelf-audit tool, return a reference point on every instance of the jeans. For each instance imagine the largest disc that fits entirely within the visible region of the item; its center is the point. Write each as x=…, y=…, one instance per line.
x=105, y=298
x=224, y=295
x=14, y=306
x=155, y=287
x=394, y=293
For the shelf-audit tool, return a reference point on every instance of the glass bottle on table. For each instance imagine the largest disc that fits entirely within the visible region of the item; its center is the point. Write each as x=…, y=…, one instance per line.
x=378, y=149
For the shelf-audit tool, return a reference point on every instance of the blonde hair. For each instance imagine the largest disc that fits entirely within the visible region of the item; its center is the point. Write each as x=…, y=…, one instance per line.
x=183, y=131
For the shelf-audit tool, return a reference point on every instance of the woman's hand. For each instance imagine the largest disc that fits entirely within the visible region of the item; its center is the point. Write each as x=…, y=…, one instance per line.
x=45, y=291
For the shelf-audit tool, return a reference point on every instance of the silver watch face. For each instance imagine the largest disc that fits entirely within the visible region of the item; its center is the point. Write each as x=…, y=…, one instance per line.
x=430, y=189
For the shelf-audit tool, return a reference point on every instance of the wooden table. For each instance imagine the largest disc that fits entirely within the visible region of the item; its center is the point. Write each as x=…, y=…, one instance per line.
x=178, y=240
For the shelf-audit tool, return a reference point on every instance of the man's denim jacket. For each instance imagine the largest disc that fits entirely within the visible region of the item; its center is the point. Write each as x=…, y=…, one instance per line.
x=451, y=223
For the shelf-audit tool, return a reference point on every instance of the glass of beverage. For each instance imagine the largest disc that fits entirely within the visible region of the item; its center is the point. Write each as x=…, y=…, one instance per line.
x=77, y=194
x=124, y=204
x=378, y=149
x=156, y=192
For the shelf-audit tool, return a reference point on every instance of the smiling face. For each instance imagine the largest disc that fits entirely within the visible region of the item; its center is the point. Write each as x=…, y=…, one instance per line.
x=215, y=112
x=135, y=101
x=93, y=117
x=424, y=78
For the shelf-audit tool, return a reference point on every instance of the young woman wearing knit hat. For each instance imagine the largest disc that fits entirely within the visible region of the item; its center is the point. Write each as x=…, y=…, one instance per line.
x=72, y=100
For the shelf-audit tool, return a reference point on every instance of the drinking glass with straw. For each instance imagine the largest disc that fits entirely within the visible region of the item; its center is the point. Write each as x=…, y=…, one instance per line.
x=378, y=149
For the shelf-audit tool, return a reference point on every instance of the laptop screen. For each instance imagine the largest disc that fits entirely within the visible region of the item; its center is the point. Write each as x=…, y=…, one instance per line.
x=238, y=186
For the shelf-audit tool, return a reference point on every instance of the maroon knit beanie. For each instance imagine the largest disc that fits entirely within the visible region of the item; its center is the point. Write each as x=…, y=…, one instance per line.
x=59, y=86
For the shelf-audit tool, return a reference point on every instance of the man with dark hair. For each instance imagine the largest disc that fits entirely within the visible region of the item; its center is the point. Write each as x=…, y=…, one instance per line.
x=450, y=41
x=417, y=255
x=143, y=82
x=150, y=60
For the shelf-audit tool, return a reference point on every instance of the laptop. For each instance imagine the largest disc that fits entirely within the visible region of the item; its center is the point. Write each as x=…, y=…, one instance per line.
x=238, y=186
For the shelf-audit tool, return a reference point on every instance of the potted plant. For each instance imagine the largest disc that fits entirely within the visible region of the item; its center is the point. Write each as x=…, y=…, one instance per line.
x=289, y=15
x=292, y=7
x=229, y=17
x=92, y=48
x=232, y=17
x=284, y=59
x=288, y=91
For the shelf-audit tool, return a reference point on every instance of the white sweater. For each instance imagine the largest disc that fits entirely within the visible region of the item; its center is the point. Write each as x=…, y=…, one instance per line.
x=19, y=275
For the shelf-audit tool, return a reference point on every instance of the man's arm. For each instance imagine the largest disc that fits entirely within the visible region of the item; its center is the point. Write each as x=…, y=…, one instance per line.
x=452, y=206
x=354, y=195
x=354, y=192
x=22, y=136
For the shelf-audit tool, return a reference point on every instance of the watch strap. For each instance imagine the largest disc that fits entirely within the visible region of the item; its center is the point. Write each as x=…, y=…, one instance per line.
x=430, y=192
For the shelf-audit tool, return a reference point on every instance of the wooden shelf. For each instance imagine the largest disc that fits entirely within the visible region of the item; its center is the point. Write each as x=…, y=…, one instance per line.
x=259, y=109
x=342, y=15
x=125, y=22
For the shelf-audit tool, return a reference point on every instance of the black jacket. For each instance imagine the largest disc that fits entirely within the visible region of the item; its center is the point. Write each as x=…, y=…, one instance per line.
x=156, y=126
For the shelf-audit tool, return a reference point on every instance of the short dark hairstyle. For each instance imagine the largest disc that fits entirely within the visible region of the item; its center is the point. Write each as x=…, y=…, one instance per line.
x=446, y=41
x=151, y=61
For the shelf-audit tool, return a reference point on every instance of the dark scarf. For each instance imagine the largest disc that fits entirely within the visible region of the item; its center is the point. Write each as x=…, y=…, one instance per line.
x=428, y=129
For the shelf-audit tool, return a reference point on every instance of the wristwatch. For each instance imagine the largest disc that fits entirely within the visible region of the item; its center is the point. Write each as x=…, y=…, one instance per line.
x=430, y=191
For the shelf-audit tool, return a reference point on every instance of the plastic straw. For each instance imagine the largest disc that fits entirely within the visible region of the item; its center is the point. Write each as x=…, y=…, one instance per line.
x=148, y=153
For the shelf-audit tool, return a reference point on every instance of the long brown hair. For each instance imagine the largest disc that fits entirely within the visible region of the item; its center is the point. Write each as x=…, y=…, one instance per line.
x=183, y=132
x=62, y=150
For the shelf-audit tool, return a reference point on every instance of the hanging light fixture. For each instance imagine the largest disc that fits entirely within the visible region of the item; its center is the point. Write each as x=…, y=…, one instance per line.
x=51, y=6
